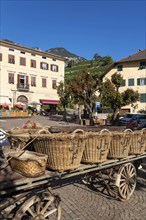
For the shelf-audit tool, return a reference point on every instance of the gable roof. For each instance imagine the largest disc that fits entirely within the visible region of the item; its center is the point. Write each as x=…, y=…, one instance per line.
x=139, y=56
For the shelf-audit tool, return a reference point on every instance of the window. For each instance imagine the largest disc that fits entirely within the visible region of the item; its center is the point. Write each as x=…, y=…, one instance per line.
x=44, y=57
x=22, y=82
x=11, y=78
x=142, y=65
x=123, y=82
x=44, y=66
x=33, y=81
x=143, y=97
x=120, y=68
x=54, y=59
x=33, y=54
x=130, y=82
x=33, y=63
x=0, y=56
x=11, y=59
x=44, y=82
x=54, y=84
x=11, y=49
x=22, y=61
x=22, y=52
x=54, y=68
x=141, y=81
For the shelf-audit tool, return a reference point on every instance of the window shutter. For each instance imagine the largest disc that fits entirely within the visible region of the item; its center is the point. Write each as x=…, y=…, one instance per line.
x=138, y=81
x=0, y=56
x=18, y=78
x=26, y=80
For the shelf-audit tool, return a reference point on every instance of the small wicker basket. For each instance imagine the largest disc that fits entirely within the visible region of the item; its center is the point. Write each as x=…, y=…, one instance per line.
x=27, y=163
x=138, y=142
x=120, y=144
x=64, y=150
x=97, y=146
x=19, y=137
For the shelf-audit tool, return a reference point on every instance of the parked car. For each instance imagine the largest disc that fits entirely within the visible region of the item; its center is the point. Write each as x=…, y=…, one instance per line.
x=123, y=120
x=137, y=122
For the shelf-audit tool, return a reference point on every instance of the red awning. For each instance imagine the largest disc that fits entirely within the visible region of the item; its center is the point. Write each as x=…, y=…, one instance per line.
x=46, y=101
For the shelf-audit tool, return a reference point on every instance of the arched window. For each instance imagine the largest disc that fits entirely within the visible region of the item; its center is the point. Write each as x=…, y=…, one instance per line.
x=22, y=99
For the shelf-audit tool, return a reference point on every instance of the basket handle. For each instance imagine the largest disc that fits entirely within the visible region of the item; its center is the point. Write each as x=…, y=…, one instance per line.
x=78, y=131
x=143, y=130
x=106, y=131
x=46, y=127
x=17, y=128
x=128, y=130
x=43, y=131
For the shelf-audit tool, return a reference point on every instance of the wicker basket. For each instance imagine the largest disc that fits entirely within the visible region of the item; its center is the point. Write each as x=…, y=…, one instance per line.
x=27, y=163
x=120, y=144
x=64, y=150
x=19, y=137
x=97, y=146
x=144, y=137
x=138, y=142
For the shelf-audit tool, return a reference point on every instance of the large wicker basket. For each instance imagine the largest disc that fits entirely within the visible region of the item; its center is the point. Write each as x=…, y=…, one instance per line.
x=64, y=150
x=138, y=142
x=144, y=137
x=97, y=146
x=120, y=144
x=27, y=163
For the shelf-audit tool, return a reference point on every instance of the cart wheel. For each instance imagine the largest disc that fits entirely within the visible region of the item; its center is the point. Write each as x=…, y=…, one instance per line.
x=104, y=186
x=127, y=181
x=40, y=207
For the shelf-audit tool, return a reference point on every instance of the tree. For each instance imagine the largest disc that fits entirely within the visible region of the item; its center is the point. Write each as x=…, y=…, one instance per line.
x=84, y=88
x=111, y=96
x=64, y=95
x=97, y=57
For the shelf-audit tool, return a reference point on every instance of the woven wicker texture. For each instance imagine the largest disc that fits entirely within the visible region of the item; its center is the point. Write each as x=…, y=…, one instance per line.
x=138, y=142
x=19, y=137
x=29, y=164
x=144, y=137
x=64, y=150
x=120, y=144
x=97, y=146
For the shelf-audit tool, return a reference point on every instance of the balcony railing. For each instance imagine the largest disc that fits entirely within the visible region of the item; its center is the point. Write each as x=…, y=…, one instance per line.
x=22, y=87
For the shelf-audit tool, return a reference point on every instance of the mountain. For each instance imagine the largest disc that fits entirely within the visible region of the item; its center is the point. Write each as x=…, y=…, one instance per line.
x=60, y=51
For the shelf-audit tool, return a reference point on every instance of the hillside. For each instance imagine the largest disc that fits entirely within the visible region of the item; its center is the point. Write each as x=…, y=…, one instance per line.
x=93, y=66
x=60, y=51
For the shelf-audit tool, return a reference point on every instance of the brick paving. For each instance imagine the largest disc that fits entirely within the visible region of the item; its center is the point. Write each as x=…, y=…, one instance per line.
x=79, y=202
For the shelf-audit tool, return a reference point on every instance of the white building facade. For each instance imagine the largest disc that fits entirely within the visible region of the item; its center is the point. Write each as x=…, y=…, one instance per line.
x=28, y=75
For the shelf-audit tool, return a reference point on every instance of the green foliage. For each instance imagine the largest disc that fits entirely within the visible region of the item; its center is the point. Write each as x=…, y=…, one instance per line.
x=96, y=66
x=110, y=95
x=130, y=96
x=64, y=94
x=116, y=79
x=83, y=88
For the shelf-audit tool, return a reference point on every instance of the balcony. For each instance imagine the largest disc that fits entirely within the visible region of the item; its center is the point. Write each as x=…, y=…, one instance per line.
x=23, y=87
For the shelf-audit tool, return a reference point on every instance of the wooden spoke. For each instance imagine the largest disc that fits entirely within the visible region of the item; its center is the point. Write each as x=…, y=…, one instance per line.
x=40, y=207
x=127, y=181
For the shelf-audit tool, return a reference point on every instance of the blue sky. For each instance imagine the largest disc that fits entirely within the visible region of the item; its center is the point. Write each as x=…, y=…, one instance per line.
x=84, y=27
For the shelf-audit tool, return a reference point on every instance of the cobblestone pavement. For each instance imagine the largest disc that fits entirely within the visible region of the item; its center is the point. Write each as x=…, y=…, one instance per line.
x=80, y=202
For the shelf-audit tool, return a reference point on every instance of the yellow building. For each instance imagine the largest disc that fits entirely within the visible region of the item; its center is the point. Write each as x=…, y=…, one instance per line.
x=28, y=74
x=133, y=70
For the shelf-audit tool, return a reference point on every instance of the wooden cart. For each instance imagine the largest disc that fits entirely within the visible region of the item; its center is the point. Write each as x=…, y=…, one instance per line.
x=32, y=198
